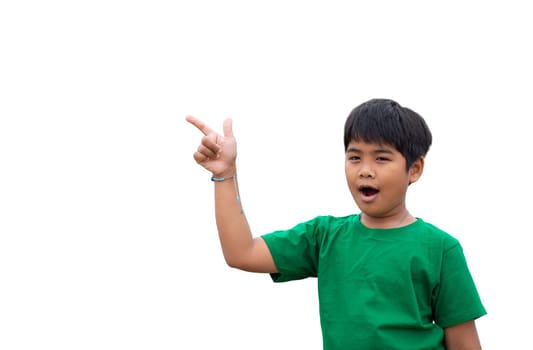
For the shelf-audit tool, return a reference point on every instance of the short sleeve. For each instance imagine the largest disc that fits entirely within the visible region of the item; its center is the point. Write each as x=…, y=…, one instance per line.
x=295, y=251
x=456, y=299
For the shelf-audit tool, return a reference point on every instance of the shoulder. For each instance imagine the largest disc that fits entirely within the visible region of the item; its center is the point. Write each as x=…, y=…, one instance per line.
x=318, y=226
x=328, y=222
x=431, y=233
x=335, y=220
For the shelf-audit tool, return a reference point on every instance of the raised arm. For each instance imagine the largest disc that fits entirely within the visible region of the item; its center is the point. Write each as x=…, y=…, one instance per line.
x=218, y=153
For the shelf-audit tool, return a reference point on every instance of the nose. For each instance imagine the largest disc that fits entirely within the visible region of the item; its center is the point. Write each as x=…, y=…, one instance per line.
x=366, y=172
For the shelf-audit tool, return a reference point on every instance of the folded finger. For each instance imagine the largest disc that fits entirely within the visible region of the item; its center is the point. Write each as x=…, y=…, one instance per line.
x=208, y=153
x=211, y=142
x=199, y=157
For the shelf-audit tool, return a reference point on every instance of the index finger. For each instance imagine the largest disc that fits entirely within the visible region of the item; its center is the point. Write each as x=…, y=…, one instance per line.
x=199, y=124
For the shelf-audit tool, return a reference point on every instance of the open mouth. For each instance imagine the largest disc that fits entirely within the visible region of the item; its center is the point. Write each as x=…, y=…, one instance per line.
x=368, y=191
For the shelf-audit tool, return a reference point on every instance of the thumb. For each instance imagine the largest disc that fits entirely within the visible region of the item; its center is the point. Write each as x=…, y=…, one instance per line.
x=228, y=131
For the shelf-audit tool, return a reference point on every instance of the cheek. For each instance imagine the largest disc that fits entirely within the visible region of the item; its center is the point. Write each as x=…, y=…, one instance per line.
x=350, y=174
x=350, y=169
x=397, y=183
x=350, y=179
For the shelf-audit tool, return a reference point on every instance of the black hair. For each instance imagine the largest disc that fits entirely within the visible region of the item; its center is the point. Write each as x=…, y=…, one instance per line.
x=386, y=121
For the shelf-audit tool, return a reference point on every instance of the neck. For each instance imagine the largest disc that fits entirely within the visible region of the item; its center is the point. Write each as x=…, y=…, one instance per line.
x=387, y=222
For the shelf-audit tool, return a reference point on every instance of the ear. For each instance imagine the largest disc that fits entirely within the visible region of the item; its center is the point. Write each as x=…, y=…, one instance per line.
x=416, y=169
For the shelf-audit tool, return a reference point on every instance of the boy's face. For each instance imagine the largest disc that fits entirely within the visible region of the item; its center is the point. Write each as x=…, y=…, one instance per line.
x=378, y=179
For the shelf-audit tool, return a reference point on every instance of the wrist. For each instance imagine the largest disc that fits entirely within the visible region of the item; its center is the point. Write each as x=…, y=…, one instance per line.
x=221, y=179
x=224, y=175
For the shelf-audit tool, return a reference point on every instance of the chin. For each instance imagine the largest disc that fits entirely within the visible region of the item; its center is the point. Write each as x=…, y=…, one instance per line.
x=372, y=213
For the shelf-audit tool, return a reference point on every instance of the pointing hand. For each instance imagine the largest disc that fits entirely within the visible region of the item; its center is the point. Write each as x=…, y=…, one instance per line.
x=216, y=153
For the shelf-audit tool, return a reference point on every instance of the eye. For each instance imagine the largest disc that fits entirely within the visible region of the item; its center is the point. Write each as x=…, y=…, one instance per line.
x=354, y=158
x=382, y=159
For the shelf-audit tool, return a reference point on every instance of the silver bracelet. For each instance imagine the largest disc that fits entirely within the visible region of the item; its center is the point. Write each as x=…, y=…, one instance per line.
x=220, y=179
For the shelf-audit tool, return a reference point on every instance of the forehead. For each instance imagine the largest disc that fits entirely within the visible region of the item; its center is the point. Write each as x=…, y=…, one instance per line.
x=373, y=146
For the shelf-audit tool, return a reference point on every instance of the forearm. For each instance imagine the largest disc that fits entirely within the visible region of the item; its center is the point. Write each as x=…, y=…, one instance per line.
x=233, y=228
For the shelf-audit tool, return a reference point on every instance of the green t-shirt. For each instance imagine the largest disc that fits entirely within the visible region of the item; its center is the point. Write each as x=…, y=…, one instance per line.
x=379, y=288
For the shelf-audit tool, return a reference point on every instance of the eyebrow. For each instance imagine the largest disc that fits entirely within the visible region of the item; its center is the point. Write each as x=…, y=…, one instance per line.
x=379, y=150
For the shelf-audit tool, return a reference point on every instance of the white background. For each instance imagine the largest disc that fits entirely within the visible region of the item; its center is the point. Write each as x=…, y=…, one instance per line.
x=107, y=236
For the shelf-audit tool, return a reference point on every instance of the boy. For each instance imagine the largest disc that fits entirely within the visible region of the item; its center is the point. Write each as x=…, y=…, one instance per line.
x=386, y=279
